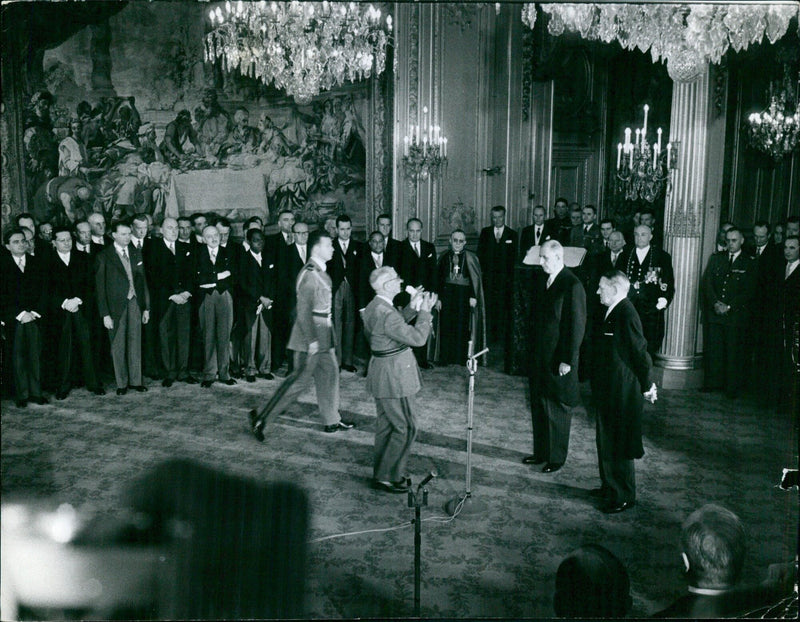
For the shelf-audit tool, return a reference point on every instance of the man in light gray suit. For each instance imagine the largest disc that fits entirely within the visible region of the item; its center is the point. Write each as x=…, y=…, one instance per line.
x=393, y=377
x=313, y=345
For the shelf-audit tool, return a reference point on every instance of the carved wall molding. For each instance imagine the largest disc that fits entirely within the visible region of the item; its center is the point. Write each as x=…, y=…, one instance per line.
x=684, y=220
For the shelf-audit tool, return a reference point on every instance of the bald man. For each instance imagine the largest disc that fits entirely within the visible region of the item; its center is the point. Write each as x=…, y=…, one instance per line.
x=168, y=267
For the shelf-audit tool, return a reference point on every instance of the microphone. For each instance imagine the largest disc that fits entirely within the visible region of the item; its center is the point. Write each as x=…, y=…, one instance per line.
x=428, y=478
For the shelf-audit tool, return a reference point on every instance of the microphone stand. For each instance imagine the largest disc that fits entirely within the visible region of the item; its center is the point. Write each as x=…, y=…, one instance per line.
x=466, y=502
x=416, y=501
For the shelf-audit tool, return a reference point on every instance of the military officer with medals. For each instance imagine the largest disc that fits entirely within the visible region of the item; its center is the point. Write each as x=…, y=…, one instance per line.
x=649, y=270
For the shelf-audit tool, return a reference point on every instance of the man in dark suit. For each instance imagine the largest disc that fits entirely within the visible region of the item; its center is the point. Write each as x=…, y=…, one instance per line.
x=589, y=231
x=729, y=284
x=789, y=324
x=497, y=252
x=100, y=238
x=21, y=309
x=537, y=233
x=560, y=224
x=124, y=304
x=647, y=216
x=168, y=266
x=649, y=270
x=713, y=544
x=417, y=267
x=254, y=299
x=276, y=253
x=558, y=325
x=391, y=246
x=373, y=258
x=620, y=384
x=68, y=286
x=83, y=237
x=214, y=278
x=151, y=363
x=764, y=337
x=343, y=270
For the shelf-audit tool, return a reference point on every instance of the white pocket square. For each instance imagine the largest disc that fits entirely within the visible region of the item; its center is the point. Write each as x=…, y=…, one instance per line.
x=272, y=265
x=138, y=263
x=430, y=254
x=509, y=241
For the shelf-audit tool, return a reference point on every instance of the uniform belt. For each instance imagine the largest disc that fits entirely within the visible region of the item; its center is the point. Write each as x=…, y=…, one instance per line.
x=393, y=351
x=324, y=314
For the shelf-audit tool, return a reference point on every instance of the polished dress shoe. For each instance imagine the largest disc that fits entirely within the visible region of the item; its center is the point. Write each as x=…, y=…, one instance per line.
x=41, y=400
x=552, y=467
x=122, y=391
x=190, y=380
x=167, y=382
x=426, y=365
x=393, y=487
x=267, y=376
x=139, y=388
x=533, y=460
x=616, y=508
x=250, y=378
x=206, y=383
x=350, y=368
x=256, y=426
x=21, y=403
x=341, y=425
x=99, y=391
x=230, y=382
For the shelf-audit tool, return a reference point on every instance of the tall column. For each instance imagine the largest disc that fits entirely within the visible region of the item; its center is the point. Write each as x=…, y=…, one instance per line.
x=100, y=49
x=693, y=199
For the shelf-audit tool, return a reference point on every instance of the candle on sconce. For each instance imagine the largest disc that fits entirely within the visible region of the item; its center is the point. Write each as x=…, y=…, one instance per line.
x=638, y=134
x=444, y=147
x=619, y=154
x=631, y=154
x=669, y=155
x=655, y=156
x=644, y=126
x=658, y=142
x=627, y=138
x=406, y=140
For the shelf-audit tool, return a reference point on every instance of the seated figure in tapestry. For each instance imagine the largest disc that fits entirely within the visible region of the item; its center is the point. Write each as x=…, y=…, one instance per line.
x=272, y=142
x=178, y=136
x=214, y=125
x=243, y=139
x=73, y=159
x=133, y=187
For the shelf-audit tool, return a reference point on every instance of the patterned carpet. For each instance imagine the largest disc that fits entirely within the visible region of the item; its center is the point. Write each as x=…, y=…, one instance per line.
x=499, y=561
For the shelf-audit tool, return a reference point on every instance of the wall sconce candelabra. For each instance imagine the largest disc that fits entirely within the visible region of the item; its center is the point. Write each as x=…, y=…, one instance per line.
x=424, y=150
x=643, y=170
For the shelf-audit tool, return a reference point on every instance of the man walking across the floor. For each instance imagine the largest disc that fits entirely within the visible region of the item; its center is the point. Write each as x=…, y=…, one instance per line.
x=559, y=322
x=313, y=345
x=393, y=378
x=620, y=384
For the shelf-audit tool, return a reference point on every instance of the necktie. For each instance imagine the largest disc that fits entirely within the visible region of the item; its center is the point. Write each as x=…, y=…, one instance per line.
x=379, y=260
x=171, y=246
x=730, y=260
x=289, y=239
x=788, y=270
x=614, y=259
x=497, y=234
x=302, y=250
x=416, y=248
x=126, y=263
x=538, y=235
x=586, y=228
x=213, y=255
x=21, y=264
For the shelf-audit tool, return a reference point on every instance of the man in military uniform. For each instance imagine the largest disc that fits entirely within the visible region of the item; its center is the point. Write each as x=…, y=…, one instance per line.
x=313, y=345
x=729, y=284
x=649, y=270
x=393, y=377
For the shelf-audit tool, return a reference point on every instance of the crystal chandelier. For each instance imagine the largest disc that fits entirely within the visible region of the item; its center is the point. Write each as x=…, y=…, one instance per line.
x=424, y=150
x=302, y=47
x=776, y=130
x=685, y=36
x=643, y=169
